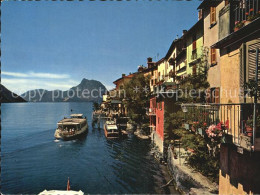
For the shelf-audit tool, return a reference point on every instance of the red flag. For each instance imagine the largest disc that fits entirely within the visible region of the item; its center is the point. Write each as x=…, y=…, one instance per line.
x=68, y=184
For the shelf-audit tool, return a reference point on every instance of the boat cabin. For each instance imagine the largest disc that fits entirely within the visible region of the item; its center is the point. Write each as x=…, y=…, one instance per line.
x=76, y=115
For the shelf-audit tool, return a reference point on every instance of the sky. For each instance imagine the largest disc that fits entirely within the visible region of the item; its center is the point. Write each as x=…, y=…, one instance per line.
x=55, y=44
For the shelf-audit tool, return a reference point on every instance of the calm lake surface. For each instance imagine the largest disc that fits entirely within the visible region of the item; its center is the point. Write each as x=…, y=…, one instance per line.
x=32, y=161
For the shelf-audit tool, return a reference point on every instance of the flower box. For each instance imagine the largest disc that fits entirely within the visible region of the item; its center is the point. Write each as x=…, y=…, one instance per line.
x=245, y=142
x=227, y=138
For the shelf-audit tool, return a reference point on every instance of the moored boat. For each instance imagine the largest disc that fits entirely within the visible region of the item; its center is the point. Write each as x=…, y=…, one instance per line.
x=71, y=128
x=111, y=130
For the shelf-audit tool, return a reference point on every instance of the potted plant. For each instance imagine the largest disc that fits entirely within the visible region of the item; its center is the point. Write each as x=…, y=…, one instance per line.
x=238, y=25
x=250, y=18
x=249, y=127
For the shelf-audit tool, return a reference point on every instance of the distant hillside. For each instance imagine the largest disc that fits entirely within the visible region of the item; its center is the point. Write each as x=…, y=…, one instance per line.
x=87, y=90
x=9, y=97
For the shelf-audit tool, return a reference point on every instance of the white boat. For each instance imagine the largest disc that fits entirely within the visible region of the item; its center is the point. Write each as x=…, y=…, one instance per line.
x=71, y=128
x=111, y=130
x=62, y=192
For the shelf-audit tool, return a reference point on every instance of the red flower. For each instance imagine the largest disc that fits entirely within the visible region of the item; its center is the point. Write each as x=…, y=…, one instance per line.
x=251, y=9
x=205, y=124
x=247, y=13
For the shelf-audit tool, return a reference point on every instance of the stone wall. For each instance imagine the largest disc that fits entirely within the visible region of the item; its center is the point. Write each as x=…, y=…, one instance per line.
x=239, y=173
x=186, y=179
x=157, y=141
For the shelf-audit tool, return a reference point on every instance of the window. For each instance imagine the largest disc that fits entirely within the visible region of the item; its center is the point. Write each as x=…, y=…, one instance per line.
x=226, y=2
x=213, y=55
x=213, y=95
x=194, y=70
x=200, y=14
x=212, y=15
x=194, y=43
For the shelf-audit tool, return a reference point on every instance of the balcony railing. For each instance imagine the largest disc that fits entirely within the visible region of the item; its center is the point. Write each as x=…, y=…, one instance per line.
x=235, y=120
x=246, y=10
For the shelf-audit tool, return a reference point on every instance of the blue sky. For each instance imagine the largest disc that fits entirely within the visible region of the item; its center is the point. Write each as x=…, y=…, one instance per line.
x=54, y=45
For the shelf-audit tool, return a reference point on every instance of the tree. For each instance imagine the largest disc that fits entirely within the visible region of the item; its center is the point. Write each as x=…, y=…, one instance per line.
x=95, y=106
x=137, y=93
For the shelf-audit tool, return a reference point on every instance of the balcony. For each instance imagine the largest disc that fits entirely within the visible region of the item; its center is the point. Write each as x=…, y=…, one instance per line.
x=246, y=10
x=233, y=121
x=236, y=15
x=152, y=111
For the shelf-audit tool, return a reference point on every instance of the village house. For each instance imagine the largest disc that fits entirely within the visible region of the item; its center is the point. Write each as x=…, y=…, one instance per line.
x=194, y=50
x=209, y=12
x=238, y=40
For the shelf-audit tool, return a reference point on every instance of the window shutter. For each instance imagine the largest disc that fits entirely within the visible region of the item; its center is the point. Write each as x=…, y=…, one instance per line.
x=213, y=55
x=212, y=15
x=217, y=95
x=194, y=69
x=194, y=45
x=208, y=95
x=251, y=59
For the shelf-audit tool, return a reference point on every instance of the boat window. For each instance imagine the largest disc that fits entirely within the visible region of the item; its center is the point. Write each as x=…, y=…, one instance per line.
x=109, y=130
x=115, y=130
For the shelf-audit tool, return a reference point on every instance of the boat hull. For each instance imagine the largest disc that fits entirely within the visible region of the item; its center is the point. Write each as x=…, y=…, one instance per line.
x=79, y=134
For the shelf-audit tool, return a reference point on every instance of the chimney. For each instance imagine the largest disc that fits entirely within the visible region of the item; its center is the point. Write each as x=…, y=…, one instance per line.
x=149, y=62
x=140, y=68
x=149, y=59
x=184, y=32
x=123, y=75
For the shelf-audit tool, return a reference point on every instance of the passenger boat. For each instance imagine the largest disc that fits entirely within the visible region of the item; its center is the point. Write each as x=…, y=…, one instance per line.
x=71, y=128
x=111, y=130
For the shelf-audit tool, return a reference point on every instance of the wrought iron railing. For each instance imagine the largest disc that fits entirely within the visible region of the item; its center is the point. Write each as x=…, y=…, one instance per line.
x=246, y=10
x=234, y=119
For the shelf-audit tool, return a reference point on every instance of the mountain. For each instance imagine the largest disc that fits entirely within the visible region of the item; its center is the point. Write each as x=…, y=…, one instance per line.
x=87, y=90
x=9, y=97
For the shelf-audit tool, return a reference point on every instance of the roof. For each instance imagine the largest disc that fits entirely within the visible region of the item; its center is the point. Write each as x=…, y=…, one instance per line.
x=172, y=47
x=71, y=121
x=111, y=127
x=128, y=76
x=198, y=25
x=209, y=3
x=77, y=115
x=159, y=61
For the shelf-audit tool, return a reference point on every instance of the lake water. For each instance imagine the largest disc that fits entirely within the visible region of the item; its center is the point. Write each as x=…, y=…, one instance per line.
x=32, y=161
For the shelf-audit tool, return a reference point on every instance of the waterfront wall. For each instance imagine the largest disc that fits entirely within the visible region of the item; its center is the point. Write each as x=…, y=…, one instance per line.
x=239, y=173
x=157, y=141
x=186, y=179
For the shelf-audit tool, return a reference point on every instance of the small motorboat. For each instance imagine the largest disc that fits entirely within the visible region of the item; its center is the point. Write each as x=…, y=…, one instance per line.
x=111, y=130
